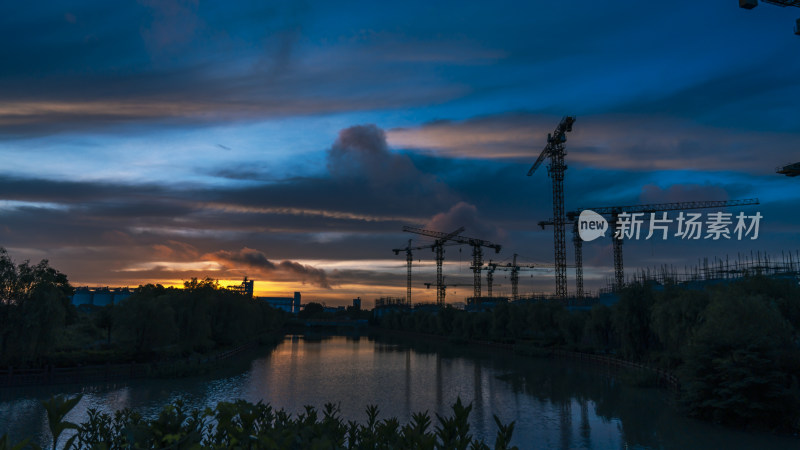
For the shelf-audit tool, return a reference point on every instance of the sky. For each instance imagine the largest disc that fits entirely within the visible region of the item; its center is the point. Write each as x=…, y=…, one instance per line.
x=290, y=142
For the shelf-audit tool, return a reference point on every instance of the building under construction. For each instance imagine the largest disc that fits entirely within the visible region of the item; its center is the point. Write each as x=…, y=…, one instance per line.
x=708, y=272
x=386, y=305
x=614, y=217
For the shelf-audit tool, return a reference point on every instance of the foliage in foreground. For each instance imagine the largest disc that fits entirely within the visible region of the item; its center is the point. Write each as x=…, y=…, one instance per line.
x=243, y=425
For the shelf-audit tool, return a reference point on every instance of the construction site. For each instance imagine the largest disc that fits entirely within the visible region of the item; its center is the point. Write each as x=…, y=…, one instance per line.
x=618, y=219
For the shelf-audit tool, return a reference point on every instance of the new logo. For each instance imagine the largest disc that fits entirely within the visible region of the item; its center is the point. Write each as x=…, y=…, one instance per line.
x=591, y=225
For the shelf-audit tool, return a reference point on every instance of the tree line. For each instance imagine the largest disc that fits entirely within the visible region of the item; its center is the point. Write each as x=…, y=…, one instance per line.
x=734, y=346
x=40, y=326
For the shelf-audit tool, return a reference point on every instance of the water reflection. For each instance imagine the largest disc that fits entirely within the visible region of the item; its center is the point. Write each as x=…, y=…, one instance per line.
x=555, y=404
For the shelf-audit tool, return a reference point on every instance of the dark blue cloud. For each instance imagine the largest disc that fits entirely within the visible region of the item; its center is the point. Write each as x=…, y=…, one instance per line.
x=145, y=126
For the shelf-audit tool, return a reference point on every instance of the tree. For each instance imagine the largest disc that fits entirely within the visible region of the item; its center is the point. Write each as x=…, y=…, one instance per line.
x=208, y=284
x=516, y=321
x=598, y=329
x=571, y=325
x=311, y=310
x=733, y=369
x=35, y=306
x=104, y=319
x=631, y=319
x=145, y=322
x=675, y=316
x=501, y=317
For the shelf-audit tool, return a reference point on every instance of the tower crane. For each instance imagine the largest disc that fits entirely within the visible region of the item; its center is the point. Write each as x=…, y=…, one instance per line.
x=428, y=285
x=477, y=255
x=438, y=247
x=556, y=152
x=614, y=212
x=577, y=242
x=443, y=289
x=409, y=259
x=513, y=267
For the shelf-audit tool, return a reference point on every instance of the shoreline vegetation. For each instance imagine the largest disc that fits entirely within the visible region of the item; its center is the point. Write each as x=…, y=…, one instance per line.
x=99, y=373
x=731, y=351
x=648, y=375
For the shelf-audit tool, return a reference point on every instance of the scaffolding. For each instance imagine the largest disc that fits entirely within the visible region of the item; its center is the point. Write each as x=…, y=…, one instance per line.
x=718, y=270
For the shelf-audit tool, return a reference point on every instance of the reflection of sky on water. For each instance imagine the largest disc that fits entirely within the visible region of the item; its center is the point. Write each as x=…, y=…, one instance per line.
x=555, y=404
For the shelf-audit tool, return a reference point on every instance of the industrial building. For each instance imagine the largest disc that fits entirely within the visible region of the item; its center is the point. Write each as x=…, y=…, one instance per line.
x=288, y=304
x=99, y=296
x=246, y=288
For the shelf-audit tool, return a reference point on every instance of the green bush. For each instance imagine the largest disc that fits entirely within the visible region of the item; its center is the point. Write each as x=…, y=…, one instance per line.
x=733, y=366
x=245, y=425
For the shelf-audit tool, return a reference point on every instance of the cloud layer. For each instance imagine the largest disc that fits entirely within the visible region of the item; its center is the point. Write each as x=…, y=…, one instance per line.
x=153, y=141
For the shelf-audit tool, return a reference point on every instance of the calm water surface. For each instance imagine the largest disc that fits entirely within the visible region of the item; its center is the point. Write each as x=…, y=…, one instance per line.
x=556, y=404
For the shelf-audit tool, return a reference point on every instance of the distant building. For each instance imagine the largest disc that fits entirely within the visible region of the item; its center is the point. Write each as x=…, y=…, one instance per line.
x=99, y=296
x=288, y=304
x=429, y=307
x=481, y=304
x=246, y=288
x=357, y=303
x=385, y=305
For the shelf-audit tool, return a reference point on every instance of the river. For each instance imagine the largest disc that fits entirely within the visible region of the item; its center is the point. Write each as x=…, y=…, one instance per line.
x=556, y=404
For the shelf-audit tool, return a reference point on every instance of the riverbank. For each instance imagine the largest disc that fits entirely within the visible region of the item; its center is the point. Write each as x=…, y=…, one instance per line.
x=661, y=377
x=95, y=373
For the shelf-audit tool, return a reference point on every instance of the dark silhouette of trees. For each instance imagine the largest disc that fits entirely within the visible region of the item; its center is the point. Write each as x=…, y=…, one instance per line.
x=104, y=319
x=735, y=346
x=311, y=310
x=631, y=319
x=733, y=365
x=38, y=320
x=200, y=317
x=35, y=306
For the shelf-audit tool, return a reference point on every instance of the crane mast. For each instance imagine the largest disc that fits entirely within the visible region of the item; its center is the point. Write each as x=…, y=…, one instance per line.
x=438, y=248
x=444, y=289
x=513, y=267
x=409, y=260
x=614, y=212
x=577, y=243
x=477, y=256
x=555, y=151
